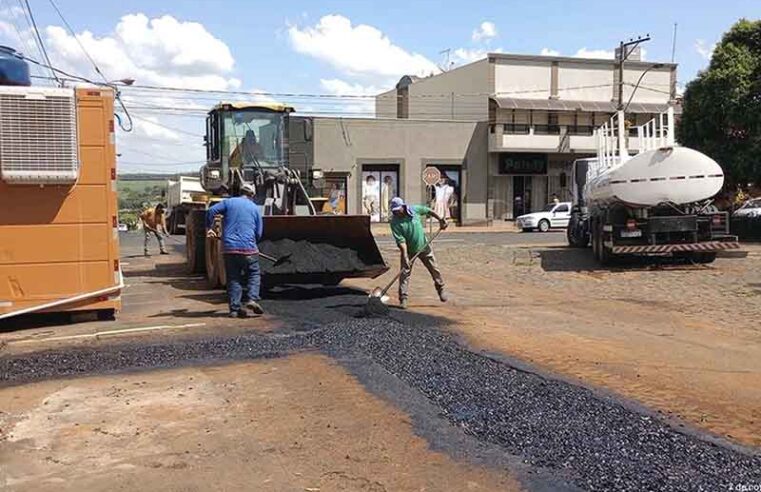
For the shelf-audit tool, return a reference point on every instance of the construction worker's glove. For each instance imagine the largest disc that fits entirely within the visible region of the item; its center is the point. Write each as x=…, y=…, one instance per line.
x=211, y=234
x=443, y=223
x=405, y=262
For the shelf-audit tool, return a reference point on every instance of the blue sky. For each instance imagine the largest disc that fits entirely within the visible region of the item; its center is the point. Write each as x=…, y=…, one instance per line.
x=339, y=47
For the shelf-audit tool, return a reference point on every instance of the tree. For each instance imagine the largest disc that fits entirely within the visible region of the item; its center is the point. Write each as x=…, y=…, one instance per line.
x=722, y=107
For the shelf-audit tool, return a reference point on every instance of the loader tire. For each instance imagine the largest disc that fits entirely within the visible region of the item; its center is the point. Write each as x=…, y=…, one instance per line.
x=195, y=241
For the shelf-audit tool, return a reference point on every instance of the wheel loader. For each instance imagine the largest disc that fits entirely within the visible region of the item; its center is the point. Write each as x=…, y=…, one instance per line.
x=247, y=143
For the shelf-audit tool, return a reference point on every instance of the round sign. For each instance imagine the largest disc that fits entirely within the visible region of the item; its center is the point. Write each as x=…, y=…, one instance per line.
x=431, y=175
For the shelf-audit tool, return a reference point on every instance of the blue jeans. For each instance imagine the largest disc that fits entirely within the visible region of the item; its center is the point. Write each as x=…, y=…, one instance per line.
x=240, y=268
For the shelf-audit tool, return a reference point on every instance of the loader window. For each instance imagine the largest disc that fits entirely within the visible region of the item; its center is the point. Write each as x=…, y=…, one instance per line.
x=253, y=138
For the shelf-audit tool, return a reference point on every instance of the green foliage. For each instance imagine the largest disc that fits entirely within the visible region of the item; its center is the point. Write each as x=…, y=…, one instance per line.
x=722, y=106
x=137, y=195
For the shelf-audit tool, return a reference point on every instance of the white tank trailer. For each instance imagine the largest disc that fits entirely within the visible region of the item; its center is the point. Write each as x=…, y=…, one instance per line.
x=654, y=202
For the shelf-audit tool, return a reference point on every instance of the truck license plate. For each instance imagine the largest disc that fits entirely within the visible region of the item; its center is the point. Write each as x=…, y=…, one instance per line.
x=636, y=233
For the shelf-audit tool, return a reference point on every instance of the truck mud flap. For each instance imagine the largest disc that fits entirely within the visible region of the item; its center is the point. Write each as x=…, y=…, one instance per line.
x=323, y=249
x=673, y=248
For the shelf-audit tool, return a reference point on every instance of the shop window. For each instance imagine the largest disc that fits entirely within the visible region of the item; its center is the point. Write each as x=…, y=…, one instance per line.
x=445, y=198
x=331, y=190
x=380, y=183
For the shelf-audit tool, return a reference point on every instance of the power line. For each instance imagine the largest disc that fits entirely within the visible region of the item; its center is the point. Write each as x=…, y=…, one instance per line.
x=76, y=38
x=38, y=39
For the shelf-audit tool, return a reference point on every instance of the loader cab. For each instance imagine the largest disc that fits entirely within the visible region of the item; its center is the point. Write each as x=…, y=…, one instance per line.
x=243, y=141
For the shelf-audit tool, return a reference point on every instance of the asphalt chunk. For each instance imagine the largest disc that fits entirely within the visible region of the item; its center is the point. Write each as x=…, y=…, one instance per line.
x=593, y=442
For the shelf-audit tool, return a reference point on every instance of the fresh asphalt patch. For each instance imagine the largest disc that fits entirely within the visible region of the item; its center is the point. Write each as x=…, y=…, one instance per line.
x=558, y=429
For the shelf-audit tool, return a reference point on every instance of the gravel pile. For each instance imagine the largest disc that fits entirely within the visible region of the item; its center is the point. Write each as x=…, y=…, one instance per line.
x=309, y=257
x=594, y=442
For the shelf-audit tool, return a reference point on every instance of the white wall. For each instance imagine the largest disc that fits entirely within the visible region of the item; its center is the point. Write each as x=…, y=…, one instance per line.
x=385, y=104
x=585, y=75
x=522, y=79
x=654, y=88
x=460, y=94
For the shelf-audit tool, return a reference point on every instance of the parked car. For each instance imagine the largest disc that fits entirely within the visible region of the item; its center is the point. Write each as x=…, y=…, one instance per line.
x=751, y=208
x=123, y=227
x=554, y=215
x=746, y=220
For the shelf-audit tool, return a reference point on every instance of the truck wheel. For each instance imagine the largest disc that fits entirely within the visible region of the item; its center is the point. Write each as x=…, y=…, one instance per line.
x=575, y=234
x=195, y=241
x=595, y=240
x=544, y=225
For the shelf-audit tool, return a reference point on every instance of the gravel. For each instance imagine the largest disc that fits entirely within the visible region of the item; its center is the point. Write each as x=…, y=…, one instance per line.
x=309, y=257
x=595, y=442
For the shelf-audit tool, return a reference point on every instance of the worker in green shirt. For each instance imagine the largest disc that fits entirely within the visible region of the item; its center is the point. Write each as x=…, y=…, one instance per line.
x=407, y=228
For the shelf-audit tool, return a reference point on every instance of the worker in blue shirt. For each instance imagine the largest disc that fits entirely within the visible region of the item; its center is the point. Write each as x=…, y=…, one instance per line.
x=242, y=229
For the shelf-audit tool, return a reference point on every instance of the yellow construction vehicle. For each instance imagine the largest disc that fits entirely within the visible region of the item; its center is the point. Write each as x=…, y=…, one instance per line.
x=247, y=143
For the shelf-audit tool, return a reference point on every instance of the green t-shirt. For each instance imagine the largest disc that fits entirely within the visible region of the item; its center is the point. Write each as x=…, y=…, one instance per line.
x=410, y=229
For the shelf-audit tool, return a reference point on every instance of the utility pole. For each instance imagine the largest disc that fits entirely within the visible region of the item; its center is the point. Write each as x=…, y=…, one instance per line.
x=623, y=53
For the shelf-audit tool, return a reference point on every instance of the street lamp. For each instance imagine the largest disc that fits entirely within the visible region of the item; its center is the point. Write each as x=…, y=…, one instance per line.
x=642, y=76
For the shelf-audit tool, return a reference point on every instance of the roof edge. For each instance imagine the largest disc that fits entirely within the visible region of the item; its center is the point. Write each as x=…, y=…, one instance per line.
x=573, y=59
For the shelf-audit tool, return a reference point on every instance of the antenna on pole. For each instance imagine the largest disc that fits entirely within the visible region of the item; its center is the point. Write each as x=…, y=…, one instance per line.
x=447, y=64
x=673, y=44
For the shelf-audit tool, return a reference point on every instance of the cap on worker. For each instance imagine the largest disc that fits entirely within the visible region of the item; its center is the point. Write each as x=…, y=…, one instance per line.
x=247, y=189
x=398, y=204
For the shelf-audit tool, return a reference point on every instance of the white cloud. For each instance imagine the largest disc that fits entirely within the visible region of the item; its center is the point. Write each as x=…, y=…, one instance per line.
x=364, y=107
x=465, y=55
x=161, y=51
x=549, y=52
x=357, y=49
x=487, y=30
x=340, y=87
x=602, y=54
x=703, y=49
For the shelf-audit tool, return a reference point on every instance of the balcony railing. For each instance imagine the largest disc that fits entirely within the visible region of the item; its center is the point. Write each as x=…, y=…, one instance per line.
x=546, y=129
x=516, y=128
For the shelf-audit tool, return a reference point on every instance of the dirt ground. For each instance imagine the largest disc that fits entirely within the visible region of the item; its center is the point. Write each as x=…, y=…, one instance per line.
x=681, y=339
x=248, y=426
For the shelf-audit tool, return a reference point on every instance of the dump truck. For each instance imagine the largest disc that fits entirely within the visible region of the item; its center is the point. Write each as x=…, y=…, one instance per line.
x=655, y=201
x=59, y=243
x=183, y=195
x=247, y=143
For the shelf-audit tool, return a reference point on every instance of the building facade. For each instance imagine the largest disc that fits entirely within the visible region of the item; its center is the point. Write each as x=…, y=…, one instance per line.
x=540, y=112
x=356, y=165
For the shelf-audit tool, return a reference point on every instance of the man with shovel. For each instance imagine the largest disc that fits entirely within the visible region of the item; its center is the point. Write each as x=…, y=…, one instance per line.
x=154, y=222
x=242, y=229
x=408, y=231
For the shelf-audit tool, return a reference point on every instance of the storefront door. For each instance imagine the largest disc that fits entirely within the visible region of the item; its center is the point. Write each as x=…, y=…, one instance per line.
x=521, y=195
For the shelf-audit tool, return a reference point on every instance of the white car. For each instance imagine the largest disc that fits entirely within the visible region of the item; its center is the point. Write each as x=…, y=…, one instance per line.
x=751, y=208
x=554, y=215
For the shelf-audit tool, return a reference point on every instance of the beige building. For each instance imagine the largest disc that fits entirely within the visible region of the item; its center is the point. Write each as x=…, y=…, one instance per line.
x=362, y=163
x=540, y=112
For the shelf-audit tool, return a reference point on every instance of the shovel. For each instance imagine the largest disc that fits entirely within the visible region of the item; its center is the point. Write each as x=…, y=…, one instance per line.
x=275, y=261
x=376, y=303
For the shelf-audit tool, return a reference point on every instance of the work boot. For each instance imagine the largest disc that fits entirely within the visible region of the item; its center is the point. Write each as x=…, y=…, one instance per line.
x=164, y=252
x=443, y=297
x=254, y=307
x=238, y=314
x=403, y=303
x=146, y=253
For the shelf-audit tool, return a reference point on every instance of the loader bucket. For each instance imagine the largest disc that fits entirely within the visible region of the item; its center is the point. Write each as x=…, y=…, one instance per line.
x=323, y=249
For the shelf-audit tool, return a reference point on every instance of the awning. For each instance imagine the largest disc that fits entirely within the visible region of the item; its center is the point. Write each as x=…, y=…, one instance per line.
x=586, y=106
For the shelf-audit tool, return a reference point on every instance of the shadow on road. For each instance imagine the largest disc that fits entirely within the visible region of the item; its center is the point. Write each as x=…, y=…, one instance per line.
x=566, y=259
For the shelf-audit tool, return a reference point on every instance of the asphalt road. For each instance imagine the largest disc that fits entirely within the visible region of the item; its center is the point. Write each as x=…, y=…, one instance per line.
x=557, y=435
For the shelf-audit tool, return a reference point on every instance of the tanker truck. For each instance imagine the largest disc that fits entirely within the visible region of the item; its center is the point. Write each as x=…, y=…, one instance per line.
x=655, y=201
